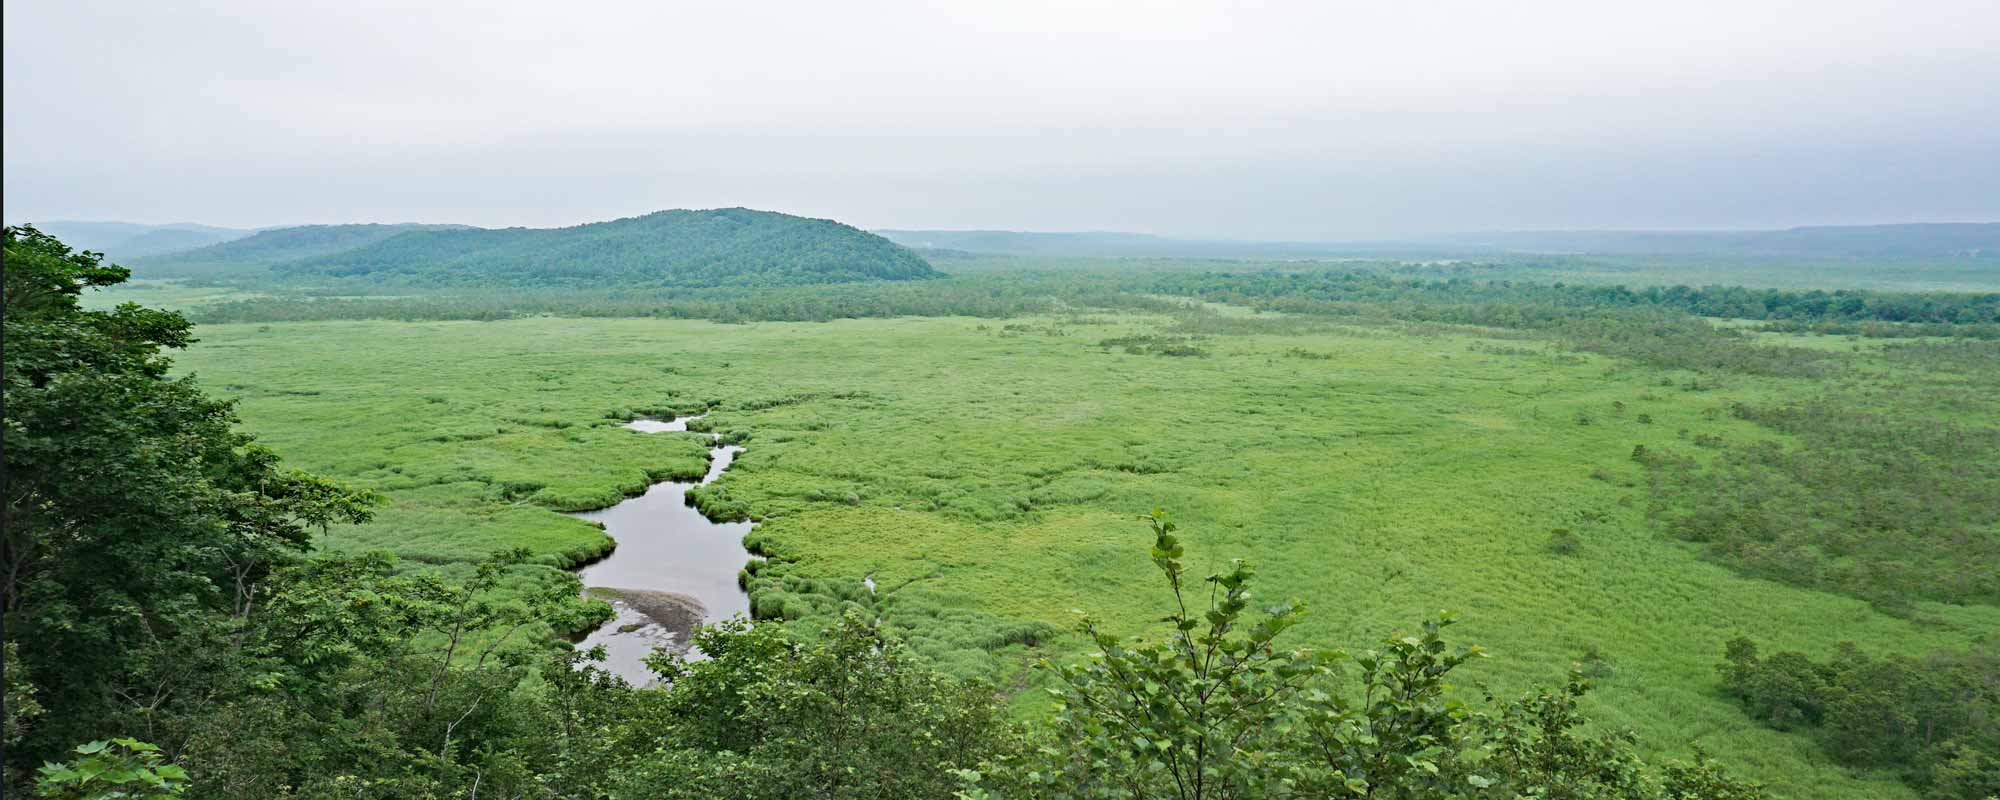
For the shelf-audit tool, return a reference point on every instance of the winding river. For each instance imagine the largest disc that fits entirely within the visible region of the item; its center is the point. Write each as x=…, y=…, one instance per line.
x=673, y=569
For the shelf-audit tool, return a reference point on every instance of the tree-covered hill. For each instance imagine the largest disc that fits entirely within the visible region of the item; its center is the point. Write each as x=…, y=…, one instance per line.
x=680, y=248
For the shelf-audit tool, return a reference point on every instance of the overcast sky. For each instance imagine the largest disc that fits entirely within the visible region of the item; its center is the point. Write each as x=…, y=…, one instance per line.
x=1302, y=120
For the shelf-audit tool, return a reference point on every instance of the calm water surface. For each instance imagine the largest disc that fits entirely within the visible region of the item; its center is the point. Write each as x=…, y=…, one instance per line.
x=673, y=567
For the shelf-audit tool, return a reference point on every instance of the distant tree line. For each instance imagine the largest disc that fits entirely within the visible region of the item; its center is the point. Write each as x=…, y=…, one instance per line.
x=1307, y=289
x=985, y=297
x=1612, y=319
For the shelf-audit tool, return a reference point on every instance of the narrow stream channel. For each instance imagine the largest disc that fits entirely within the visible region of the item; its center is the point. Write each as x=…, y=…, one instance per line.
x=673, y=568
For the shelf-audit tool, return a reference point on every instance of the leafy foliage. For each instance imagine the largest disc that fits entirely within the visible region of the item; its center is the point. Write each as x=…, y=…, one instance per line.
x=359, y=681
x=21, y=707
x=113, y=770
x=1188, y=717
x=849, y=713
x=1216, y=710
x=137, y=521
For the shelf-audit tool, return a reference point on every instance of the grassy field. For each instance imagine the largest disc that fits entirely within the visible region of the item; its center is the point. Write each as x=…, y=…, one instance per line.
x=162, y=294
x=1874, y=274
x=986, y=474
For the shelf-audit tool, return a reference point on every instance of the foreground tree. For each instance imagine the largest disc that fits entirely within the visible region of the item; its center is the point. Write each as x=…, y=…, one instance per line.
x=771, y=713
x=138, y=524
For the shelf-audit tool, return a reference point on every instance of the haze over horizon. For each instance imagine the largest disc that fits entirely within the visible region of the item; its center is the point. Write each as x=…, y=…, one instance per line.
x=1294, y=121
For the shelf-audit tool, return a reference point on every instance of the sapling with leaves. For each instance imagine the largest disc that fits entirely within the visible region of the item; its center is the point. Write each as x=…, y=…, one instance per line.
x=1405, y=736
x=1197, y=715
x=1217, y=709
x=119, y=768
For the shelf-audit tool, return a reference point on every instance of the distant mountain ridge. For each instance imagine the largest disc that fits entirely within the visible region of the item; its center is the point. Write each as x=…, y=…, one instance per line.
x=1976, y=240
x=1919, y=240
x=678, y=248
x=121, y=241
x=265, y=249
x=1103, y=244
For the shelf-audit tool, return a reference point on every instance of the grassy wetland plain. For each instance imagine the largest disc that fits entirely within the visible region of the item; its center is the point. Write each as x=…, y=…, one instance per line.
x=737, y=503
x=985, y=472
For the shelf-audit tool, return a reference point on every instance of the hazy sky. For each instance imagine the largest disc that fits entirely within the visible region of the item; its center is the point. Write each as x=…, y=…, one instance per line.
x=1304, y=120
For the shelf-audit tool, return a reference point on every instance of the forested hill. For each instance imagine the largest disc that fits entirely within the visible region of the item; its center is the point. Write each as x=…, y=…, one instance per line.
x=720, y=247
x=260, y=252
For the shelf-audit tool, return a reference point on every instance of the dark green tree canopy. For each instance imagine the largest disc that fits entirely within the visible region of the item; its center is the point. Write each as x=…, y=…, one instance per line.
x=136, y=518
x=680, y=249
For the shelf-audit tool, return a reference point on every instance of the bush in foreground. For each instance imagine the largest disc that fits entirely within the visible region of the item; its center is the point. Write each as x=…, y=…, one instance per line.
x=1218, y=710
